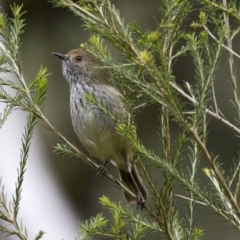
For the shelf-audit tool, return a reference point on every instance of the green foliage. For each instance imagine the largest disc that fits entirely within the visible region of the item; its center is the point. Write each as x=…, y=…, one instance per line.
x=116, y=229
x=145, y=76
x=10, y=29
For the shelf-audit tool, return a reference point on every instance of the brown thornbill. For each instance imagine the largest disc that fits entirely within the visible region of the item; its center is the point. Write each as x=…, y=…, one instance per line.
x=95, y=129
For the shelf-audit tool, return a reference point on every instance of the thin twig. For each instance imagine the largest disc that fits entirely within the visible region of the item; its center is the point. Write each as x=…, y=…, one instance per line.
x=237, y=187
x=214, y=99
x=231, y=61
x=223, y=45
x=222, y=195
x=211, y=113
x=217, y=174
x=234, y=175
x=74, y=6
x=190, y=199
x=161, y=220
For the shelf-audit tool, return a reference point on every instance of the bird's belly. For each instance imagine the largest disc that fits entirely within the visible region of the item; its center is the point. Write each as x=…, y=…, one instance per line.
x=97, y=132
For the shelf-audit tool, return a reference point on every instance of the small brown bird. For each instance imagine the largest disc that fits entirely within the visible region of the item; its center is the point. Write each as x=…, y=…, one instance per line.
x=95, y=129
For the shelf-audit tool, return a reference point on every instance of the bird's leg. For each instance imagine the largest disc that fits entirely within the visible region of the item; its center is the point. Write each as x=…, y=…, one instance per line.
x=102, y=169
x=140, y=198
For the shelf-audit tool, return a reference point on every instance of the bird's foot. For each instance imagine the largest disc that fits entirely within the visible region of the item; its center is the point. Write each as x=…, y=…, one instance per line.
x=102, y=170
x=140, y=201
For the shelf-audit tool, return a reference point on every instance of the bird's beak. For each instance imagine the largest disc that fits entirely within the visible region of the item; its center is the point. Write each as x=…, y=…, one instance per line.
x=60, y=56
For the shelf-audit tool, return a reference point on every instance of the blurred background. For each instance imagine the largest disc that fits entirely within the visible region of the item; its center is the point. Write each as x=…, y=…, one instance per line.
x=59, y=192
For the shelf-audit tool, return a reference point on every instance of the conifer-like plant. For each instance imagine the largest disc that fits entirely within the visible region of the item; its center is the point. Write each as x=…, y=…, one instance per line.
x=145, y=76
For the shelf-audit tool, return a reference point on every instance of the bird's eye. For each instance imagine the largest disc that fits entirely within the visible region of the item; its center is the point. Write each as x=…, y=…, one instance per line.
x=79, y=58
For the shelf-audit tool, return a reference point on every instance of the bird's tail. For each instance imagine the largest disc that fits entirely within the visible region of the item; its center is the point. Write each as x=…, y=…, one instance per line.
x=132, y=181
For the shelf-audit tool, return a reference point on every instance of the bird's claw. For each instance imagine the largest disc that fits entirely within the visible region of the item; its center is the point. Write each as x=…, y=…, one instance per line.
x=101, y=170
x=140, y=201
